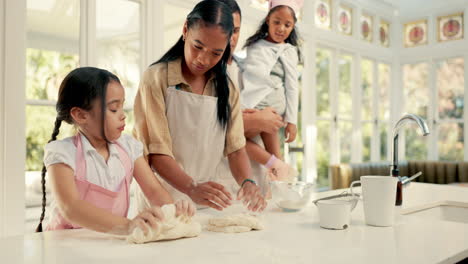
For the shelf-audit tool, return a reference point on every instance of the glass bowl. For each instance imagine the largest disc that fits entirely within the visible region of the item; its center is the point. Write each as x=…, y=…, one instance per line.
x=291, y=197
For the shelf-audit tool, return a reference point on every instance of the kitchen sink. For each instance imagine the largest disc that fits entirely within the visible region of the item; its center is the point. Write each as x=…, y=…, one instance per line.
x=443, y=210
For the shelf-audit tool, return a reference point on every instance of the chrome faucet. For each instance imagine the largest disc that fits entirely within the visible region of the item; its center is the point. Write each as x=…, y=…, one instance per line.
x=405, y=119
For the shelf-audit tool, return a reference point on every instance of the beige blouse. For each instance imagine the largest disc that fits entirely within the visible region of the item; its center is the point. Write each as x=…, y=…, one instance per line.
x=151, y=126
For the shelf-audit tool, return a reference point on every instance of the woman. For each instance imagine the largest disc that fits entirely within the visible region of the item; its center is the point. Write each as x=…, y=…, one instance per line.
x=187, y=114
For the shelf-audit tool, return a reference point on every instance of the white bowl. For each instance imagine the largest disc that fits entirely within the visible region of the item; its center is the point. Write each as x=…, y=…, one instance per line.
x=334, y=214
x=335, y=210
x=291, y=197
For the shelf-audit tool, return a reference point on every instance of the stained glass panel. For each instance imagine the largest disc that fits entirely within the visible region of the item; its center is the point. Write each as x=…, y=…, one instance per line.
x=450, y=27
x=366, y=27
x=384, y=33
x=415, y=33
x=345, y=20
x=323, y=13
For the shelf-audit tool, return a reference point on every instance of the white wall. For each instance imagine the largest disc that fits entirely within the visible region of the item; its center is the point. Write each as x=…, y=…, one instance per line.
x=413, y=8
x=2, y=98
x=12, y=113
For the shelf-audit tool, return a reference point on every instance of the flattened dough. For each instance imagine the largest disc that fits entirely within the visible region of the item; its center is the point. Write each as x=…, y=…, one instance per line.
x=171, y=228
x=228, y=229
x=234, y=223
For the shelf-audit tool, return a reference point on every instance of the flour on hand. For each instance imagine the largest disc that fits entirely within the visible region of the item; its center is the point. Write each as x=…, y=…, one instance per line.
x=171, y=228
x=237, y=223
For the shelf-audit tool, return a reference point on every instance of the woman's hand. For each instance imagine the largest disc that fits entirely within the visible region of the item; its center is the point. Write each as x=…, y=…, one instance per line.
x=252, y=197
x=147, y=219
x=185, y=207
x=211, y=194
x=290, y=132
x=257, y=121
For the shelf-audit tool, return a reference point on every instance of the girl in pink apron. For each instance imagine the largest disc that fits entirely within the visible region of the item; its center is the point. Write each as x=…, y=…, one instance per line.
x=187, y=114
x=91, y=172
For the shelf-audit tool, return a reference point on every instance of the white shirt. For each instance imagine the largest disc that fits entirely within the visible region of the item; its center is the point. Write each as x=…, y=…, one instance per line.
x=107, y=175
x=256, y=69
x=234, y=72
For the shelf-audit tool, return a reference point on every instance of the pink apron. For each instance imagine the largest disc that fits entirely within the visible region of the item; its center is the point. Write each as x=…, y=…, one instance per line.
x=115, y=202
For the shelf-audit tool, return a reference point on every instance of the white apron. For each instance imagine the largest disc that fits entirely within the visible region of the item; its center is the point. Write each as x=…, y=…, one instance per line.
x=198, y=139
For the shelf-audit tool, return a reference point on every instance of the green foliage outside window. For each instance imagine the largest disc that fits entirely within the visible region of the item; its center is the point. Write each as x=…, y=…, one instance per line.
x=45, y=71
x=322, y=65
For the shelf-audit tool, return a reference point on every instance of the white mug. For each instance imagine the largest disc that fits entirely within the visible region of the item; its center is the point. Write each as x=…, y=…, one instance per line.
x=379, y=194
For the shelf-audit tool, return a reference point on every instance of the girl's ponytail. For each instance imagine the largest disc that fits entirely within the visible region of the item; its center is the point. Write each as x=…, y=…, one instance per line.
x=57, y=125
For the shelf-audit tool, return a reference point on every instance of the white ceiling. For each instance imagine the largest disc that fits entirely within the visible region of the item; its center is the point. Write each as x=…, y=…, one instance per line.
x=414, y=8
x=123, y=17
x=42, y=18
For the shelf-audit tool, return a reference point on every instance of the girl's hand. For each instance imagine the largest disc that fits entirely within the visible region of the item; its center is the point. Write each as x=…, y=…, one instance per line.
x=147, y=219
x=290, y=132
x=185, y=207
x=251, y=196
x=211, y=194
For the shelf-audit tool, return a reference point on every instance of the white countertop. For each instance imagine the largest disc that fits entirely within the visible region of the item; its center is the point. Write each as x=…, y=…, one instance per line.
x=288, y=238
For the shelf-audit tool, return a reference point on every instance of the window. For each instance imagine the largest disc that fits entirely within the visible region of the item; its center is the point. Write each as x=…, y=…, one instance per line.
x=348, y=131
x=52, y=51
x=47, y=63
x=367, y=117
x=118, y=45
x=345, y=63
x=118, y=42
x=294, y=151
x=174, y=23
x=450, y=90
x=416, y=92
x=323, y=62
x=383, y=109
